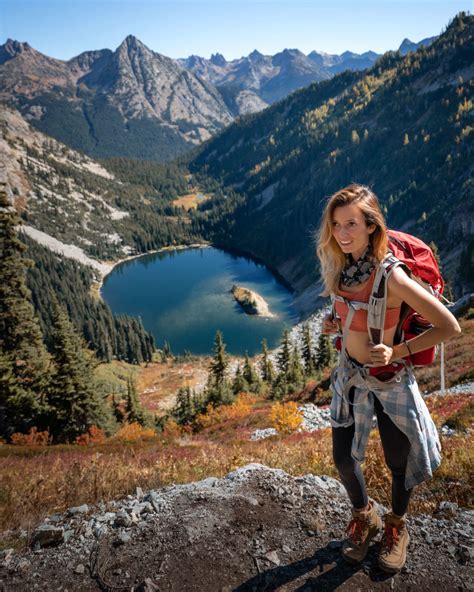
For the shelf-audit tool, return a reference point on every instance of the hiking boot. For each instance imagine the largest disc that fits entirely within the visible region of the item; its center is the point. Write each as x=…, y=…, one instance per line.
x=363, y=527
x=394, y=543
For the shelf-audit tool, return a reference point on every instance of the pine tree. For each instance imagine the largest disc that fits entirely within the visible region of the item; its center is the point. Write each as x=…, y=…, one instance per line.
x=266, y=367
x=218, y=390
x=295, y=371
x=220, y=362
x=284, y=355
x=184, y=411
x=24, y=367
x=251, y=376
x=239, y=384
x=133, y=408
x=73, y=395
x=308, y=357
x=280, y=387
x=199, y=402
x=325, y=352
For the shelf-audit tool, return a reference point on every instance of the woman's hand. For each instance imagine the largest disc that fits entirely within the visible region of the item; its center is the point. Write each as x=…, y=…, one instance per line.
x=329, y=325
x=381, y=354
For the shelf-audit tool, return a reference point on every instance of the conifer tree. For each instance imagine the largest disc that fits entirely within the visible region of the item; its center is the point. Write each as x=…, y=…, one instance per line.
x=251, y=376
x=220, y=361
x=199, y=402
x=280, y=387
x=218, y=390
x=284, y=355
x=325, y=352
x=24, y=366
x=266, y=367
x=73, y=395
x=239, y=384
x=133, y=408
x=183, y=411
x=308, y=356
x=295, y=370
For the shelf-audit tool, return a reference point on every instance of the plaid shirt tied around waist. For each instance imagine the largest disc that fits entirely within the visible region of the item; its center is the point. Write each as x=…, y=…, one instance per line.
x=401, y=400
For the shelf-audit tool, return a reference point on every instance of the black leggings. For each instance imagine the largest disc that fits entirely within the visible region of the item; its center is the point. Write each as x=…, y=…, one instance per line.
x=396, y=447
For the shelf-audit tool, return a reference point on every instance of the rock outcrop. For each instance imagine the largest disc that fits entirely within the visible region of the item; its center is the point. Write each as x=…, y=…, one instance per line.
x=257, y=528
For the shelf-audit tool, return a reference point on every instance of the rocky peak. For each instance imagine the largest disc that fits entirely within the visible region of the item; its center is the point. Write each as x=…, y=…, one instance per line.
x=256, y=55
x=12, y=48
x=218, y=59
x=194, y=61
x=131, y=41
x=288, y=56
x=132, y=46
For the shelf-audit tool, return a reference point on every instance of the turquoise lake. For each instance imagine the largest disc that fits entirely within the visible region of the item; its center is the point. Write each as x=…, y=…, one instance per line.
x=183, y=297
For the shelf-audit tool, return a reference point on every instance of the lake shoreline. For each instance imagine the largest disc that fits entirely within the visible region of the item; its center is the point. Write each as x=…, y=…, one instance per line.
x=97, y=285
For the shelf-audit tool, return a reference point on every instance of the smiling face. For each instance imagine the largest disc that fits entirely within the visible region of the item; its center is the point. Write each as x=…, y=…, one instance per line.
x=350, y=230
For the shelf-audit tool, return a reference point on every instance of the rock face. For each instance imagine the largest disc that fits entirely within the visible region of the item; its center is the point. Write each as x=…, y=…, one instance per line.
x=251, y=302
x=109, y=100
x=257, y=528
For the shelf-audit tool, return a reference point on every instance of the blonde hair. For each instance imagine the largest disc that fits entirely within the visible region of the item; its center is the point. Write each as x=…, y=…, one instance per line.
x=330, y=254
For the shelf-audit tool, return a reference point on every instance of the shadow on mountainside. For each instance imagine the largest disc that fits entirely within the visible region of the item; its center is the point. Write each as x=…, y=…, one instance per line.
x=257, y=529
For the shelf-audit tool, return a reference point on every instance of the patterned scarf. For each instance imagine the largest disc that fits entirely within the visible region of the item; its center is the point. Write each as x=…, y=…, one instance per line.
x=358, y=272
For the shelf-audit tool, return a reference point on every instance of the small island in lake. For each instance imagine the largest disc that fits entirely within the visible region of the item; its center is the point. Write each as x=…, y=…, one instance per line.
x=251, y=302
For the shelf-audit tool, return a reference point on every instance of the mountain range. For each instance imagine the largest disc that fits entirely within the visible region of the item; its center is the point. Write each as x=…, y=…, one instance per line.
x=138, y=103
x=247, y=81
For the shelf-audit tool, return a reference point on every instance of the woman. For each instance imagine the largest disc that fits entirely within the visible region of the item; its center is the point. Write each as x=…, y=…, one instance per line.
x=352, y=242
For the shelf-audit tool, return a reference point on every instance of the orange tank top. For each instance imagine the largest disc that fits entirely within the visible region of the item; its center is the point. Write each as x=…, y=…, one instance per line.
x=359, y=320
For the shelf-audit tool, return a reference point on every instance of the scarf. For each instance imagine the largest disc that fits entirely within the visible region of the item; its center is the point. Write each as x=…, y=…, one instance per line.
x=358, y=272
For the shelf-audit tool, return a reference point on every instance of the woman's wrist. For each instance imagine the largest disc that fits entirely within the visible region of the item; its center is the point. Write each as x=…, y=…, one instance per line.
x=401, y=350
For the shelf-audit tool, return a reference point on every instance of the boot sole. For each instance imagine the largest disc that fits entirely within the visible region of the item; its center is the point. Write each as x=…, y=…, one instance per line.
x=392, y=570
x=372, y=542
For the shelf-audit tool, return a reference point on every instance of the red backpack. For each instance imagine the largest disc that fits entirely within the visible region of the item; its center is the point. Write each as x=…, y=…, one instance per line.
x=418, y=260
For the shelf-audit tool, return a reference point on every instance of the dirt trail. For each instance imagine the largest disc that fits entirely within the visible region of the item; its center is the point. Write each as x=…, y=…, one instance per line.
x=255, y=529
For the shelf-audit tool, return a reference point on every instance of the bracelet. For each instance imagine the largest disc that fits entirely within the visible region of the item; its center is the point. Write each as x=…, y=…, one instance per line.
x=408, y=348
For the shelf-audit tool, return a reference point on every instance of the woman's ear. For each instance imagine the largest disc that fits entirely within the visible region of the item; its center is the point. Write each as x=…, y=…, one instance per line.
x=371, y=228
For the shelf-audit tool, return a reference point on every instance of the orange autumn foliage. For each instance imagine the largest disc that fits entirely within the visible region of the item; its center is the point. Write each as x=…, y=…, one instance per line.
x=285, y=417
x=240, y=408
x=32, y=438
x=134, y=432
x=94, y=436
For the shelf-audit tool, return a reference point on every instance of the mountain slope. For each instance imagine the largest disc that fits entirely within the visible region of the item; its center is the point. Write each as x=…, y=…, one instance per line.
x=130, y=102
x=79, y=218
x=403, y=127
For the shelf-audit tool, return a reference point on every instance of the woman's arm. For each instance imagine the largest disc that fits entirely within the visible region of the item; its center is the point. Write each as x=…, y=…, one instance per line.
x=445, y=325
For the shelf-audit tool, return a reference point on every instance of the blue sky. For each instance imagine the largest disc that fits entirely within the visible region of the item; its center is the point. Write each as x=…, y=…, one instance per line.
x=178, y=28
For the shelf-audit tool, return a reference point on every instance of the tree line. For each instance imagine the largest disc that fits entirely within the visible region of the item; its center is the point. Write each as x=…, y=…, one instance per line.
x=292, y=369
x=53, y=390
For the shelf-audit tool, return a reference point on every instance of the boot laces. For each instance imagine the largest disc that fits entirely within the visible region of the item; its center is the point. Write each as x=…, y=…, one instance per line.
x=355, y=529
x=390, y=537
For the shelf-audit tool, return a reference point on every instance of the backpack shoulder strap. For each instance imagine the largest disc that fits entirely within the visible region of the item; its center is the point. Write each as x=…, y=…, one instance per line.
x=378, y=298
